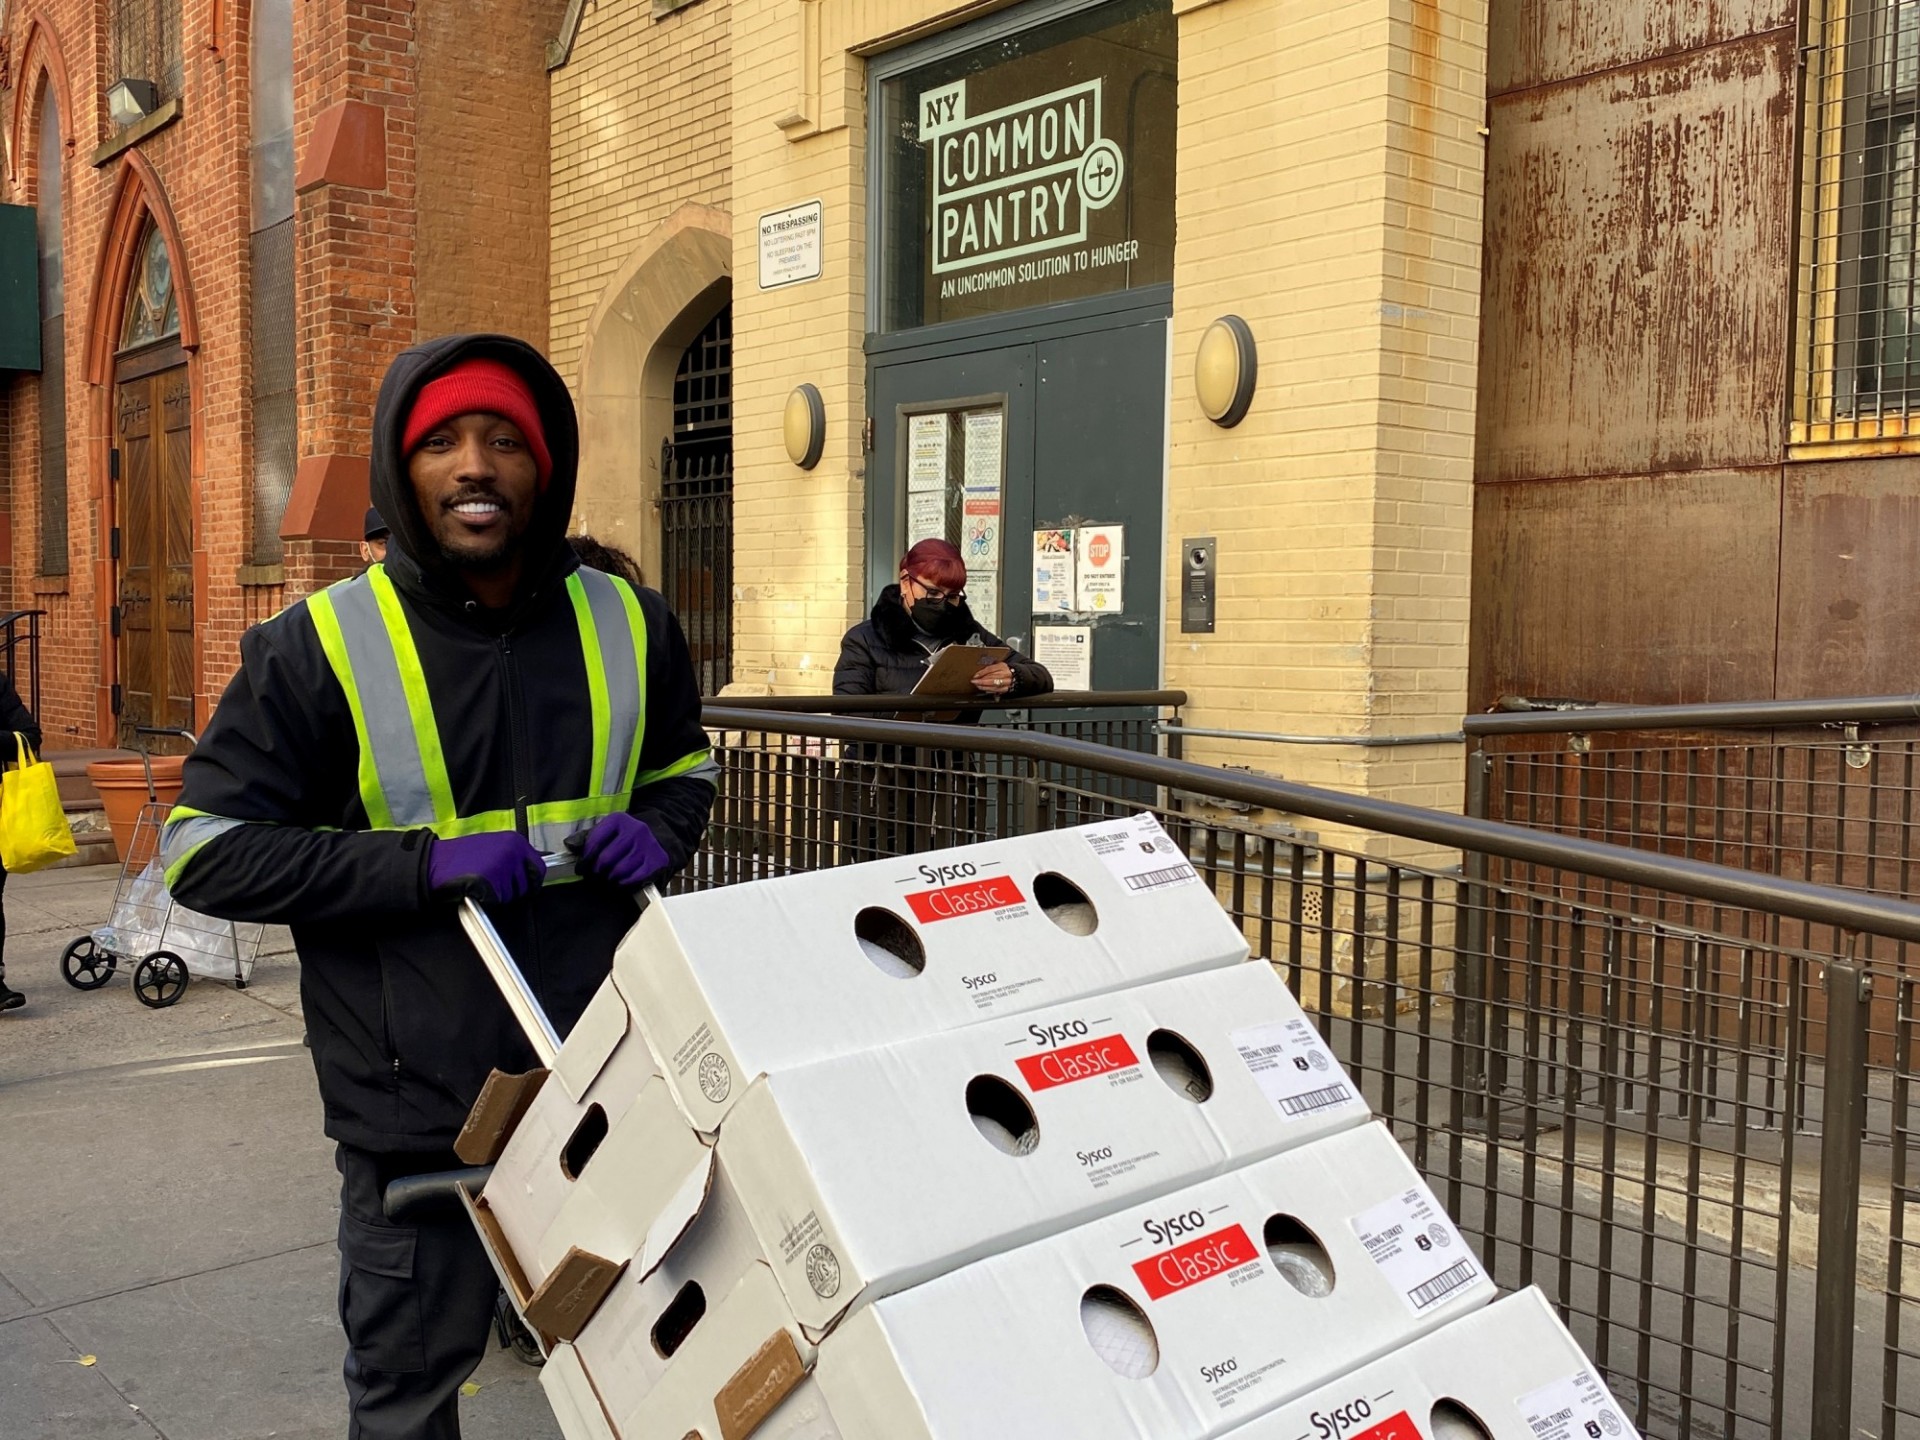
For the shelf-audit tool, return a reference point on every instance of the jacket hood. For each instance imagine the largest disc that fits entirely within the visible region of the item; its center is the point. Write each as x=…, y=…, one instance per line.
x=412, y=557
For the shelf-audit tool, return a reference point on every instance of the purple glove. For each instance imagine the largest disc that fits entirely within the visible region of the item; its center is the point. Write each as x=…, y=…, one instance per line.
x=492, y=869
x=622, y=851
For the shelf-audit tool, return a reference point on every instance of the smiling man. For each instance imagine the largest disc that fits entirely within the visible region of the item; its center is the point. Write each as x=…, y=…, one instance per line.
x=422, y=733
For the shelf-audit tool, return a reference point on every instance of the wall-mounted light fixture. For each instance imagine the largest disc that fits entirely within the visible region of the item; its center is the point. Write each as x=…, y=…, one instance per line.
x=805, y=426
x=131, y=100
x=1224, y=370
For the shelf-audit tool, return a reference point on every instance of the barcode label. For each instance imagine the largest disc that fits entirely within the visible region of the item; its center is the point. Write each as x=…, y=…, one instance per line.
x=1316, y=1100
x=1154, y=879
x=1294, y=1068
x=1443, y=1284
x=1417, y=1248
x=1139, y=854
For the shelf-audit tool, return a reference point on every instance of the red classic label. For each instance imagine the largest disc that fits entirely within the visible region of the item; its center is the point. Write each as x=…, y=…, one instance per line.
x=1195, y=1261
x=1077, y=1062
x=969, y=899
x=1395, y=1427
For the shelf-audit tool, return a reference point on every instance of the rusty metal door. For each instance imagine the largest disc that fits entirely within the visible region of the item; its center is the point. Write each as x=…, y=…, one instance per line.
x=152, y=617
x=696, y=503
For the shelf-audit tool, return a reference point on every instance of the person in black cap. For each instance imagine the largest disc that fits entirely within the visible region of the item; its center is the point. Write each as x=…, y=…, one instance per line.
x=373, y=544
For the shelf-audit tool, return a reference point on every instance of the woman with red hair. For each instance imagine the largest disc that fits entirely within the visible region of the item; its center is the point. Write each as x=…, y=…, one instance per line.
x=913, y=621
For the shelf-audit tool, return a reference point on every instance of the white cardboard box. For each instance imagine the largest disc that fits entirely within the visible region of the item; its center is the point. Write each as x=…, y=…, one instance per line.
x=1508, y=1372
x=744, y=1370
x=1174, y=1320
x=601, y=1070
x=733, y=983
x=868, y=1173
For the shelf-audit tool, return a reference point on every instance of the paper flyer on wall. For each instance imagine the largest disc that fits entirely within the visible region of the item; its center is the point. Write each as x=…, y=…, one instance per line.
x=926, y=453
x=926, y=516
x=1053, y=572
x=1099, y=568
x=1067, y=652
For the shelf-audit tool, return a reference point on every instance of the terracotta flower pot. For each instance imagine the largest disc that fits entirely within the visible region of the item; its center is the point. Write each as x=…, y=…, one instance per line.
x=123, y=794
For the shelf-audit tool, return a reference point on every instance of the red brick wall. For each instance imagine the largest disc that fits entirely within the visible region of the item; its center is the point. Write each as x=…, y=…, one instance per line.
x=357, y=253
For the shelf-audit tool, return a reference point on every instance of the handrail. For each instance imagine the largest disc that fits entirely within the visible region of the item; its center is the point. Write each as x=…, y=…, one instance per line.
x=1719, y=884
x=891, y=704
x=1725, y=715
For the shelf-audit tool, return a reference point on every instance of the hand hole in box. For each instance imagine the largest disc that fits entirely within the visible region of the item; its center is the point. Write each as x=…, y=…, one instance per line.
x=1181, y=1066
x=1119, y=1332
x=890, y=943
x=676, y=1322
x=1002, y=1115
x=1453, y=1421
x=585, y=1139
x=1065, y=903
x=1299, y=1256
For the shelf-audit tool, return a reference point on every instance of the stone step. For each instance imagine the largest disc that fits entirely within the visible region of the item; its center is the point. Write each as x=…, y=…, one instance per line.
x=70, y=770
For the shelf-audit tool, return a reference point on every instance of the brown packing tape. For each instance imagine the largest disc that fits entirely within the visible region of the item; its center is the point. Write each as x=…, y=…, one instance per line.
x=495, y=1240
x=566, y=1301
x=758, y=1386
x=503, y=1100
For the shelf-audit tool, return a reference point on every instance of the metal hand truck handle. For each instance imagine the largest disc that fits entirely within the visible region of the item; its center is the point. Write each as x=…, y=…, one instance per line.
x=514, y=989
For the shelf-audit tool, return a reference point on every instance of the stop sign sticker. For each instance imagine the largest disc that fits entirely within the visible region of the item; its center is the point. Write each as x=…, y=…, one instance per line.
x=1100, y=554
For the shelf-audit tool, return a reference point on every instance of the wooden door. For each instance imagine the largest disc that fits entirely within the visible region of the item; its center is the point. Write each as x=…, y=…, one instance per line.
x=154, y=517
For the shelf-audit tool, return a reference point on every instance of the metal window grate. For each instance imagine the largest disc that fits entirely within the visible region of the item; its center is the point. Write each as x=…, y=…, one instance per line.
x=696, y=503
x=1858, y=371
x=53, y=446
x=274, y=406
x=146, y=44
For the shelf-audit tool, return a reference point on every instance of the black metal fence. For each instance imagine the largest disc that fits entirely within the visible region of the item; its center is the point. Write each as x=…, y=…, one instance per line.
x=1642, y=1116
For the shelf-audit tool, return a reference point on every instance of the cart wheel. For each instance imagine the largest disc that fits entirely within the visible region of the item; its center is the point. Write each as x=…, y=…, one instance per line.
x=86, y=965
x=160, y=979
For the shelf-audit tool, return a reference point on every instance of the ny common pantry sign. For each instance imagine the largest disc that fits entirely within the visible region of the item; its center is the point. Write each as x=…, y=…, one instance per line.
x=1034, y=169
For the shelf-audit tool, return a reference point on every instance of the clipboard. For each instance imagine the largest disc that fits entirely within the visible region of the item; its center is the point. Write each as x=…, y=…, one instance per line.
x=951, y=675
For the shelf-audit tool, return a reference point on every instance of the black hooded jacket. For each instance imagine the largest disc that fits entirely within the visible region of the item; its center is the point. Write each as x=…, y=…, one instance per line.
x=403, y=1020
x=886, y=654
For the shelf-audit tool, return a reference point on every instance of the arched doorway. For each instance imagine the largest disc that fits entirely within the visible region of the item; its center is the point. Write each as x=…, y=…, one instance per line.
x=696, y=502
x=151, y=542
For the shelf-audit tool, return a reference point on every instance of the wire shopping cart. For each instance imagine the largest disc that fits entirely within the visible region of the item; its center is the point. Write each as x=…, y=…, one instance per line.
x=171, y=941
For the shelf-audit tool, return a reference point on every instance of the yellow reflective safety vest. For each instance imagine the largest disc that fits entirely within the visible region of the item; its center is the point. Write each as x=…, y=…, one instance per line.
x=403, y=777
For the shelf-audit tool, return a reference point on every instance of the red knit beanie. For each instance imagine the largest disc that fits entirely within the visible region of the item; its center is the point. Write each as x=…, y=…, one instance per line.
x=486, y=386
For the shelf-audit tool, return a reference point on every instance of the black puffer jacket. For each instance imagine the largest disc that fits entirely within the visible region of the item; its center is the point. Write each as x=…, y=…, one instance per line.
x=404, y=1021
x=886, y=653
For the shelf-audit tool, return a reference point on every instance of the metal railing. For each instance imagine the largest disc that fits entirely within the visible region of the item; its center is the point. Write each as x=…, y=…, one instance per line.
x=1821, y=790
x=22, y=628
x=1641, y=1116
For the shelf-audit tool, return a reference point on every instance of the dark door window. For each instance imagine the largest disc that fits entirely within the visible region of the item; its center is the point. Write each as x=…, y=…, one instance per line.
x=696, y=503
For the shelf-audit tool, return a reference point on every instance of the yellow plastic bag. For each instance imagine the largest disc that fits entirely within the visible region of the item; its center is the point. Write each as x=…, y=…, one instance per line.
x=33, y=827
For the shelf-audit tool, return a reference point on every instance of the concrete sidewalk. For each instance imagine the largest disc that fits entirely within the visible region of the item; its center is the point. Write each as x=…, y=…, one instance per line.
x=168, y=1206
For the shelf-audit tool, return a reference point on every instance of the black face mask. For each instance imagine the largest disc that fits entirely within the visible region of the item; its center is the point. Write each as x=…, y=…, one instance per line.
x=932, y=616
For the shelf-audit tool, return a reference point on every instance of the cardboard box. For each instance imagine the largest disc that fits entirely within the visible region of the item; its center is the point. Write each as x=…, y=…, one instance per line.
x=1175, y=1320
x=734, y=983
x=868, y=1173
x=1509, y=1372
x=674, y=1290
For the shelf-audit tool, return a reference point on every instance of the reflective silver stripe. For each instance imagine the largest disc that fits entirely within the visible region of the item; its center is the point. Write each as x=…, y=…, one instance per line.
x=182, y=837
x=707, y=770
x=623, y=681
x=383, y=701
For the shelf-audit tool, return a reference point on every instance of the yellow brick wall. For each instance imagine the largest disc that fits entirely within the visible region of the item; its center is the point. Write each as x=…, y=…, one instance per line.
x=1329, y=192
x=639, y=127
x=1344, y=137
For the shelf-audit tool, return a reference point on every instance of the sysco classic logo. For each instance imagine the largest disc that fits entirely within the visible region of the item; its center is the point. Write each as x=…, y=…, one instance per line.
x=947, y=874
x=969, y=897
x=1338, y=1424
x=1194, y=1261
x=1083, y=1059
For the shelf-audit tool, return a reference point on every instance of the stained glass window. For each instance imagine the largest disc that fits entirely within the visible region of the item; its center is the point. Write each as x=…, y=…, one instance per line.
x=153, y=312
